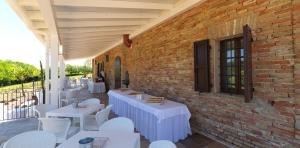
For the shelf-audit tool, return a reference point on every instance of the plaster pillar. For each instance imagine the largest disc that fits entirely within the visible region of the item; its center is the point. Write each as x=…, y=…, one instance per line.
x=54, y=70
x=47, y=81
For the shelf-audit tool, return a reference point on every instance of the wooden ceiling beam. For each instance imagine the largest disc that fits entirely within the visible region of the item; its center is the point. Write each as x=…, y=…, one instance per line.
x=113, y=4
x=79, y=37
x=97, y=33
x=48, y=14
x=98, y=29
x=28, y=3
x=86, y=43
x=35, y=15
x=87, y=39
x=39, y=25
x=103, y=15
x=72, y=24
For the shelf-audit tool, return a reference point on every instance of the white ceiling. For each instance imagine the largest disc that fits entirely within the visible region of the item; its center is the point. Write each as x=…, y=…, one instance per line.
x=87, y=28
x=90, y=26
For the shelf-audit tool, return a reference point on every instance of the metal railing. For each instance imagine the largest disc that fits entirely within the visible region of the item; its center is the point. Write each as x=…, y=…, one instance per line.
x=18, y=104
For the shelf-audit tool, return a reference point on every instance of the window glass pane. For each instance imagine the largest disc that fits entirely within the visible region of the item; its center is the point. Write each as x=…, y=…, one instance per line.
x=242, y=80
x=242, y=52
x=228, y=54
x=232, y=78
x=242, y=68
x=230, y=62
x=232, y=53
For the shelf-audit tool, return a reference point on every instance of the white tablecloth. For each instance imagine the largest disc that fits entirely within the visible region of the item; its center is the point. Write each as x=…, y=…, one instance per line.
x=156, y=122
x=98, y=87
x=69, y=111
x=116, y=140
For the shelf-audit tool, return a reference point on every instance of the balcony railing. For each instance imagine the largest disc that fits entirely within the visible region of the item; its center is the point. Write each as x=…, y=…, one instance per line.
x=17, y=104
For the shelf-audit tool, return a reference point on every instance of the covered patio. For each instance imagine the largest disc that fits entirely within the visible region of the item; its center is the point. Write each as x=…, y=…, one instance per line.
x=196, y=73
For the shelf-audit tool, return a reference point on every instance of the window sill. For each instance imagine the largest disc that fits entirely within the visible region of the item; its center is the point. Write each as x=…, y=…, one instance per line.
x=225, y=95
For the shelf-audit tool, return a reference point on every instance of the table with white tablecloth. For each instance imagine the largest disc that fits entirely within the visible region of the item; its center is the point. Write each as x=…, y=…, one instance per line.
x=96, y=87
x=169, y=121
x=116, y=140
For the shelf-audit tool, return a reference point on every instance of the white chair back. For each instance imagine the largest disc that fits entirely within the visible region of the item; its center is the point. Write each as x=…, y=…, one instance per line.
x=92, y=101
x=57, y=126
x=102, y=116
x=32, y=139
x=72, y=94
x=43, y=108
x=162, y=144
x=84, y=82
x=119, y=124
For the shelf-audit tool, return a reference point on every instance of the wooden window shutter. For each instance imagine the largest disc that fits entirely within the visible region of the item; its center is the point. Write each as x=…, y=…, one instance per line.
x=201, y=59
x=247, y=39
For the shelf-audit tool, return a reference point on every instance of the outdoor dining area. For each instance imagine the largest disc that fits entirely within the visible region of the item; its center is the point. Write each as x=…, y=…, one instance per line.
x=166, y=74
x=85, y=123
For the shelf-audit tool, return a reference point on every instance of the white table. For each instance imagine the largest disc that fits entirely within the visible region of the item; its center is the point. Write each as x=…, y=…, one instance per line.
x=69, y=111
x=64, y=92
x=169, y=121
x=84, y=82
x=116, y=140
x=96, y=87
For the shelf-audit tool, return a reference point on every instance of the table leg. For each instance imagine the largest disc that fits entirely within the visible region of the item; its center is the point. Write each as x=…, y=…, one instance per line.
x=81, y=123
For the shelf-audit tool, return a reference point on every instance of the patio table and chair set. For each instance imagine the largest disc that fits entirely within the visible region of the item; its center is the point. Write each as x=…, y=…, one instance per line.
x=162, y=122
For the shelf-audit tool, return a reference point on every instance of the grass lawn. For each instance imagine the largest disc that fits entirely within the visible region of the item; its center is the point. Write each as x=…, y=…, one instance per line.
x=19, y=86
x=79, y=76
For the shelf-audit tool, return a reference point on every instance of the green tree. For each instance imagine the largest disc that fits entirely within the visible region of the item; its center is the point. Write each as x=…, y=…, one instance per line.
x=77, y=70
x=16, y=72
x=42, y=77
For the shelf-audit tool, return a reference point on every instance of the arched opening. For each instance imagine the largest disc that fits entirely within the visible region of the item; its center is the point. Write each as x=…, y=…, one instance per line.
x=117, y=72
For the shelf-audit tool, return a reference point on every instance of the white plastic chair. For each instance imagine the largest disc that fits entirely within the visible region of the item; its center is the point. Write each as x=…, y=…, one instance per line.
x=60, y=127
x=71, y=95
x=83, y=82
x=42, y=109
x=92, y=123
x=32, y=139
x=162, y=144
x=91, y=101
x=120, y=124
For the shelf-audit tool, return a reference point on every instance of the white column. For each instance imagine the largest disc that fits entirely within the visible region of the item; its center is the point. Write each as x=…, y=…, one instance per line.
x=54, y=70
x=47, y=82
x=61, y=72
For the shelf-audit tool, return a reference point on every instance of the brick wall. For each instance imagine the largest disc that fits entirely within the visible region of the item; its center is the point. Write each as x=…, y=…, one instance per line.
x=161, y=63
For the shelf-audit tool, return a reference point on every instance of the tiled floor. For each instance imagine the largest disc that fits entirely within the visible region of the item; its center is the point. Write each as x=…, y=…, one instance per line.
x=11, y=128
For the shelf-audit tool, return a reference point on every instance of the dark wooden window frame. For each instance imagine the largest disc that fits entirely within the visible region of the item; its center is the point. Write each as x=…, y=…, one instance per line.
x=225, y=86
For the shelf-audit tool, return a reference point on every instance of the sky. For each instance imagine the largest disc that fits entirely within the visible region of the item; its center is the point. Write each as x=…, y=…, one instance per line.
x=17, y=42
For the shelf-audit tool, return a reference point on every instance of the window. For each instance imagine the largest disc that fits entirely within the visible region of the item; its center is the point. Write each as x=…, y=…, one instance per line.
x=232, y=66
